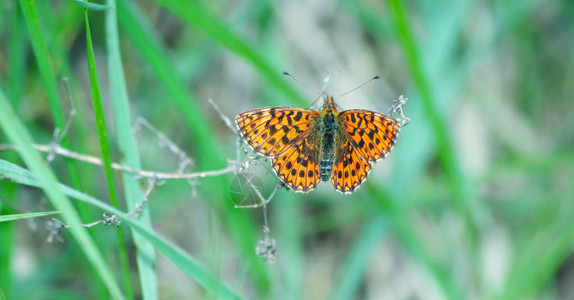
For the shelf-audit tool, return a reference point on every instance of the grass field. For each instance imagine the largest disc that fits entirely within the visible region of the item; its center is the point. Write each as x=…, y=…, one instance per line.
x=476, y=200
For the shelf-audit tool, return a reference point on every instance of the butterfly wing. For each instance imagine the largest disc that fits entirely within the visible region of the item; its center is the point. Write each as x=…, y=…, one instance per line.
x=371, y=133
x=367, y=136
x=286, y=134
x=271, y=131
x=349, y=168
x=298, y=167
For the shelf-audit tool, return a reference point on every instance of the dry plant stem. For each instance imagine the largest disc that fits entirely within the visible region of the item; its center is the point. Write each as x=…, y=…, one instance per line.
x=265, y=224
x=107, y=220
x=59, y=135
x=266, y=248
x=263, y=200
x=60, y=223
x=223, y=117
x=139, y=206
x=263, y=204
x=232, y=127
x=55, y=149
x=184, y=160
x=238, y=148
x=141, y=173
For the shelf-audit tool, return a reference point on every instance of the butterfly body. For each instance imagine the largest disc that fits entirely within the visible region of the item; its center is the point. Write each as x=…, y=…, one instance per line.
x=329, y=130
x=308, y=146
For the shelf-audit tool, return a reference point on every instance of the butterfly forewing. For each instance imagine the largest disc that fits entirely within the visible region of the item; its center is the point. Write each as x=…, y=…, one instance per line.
x=371, y=133
x=270, y=131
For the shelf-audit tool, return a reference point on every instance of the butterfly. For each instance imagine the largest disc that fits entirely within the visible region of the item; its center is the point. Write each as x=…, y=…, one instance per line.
x=307, y=146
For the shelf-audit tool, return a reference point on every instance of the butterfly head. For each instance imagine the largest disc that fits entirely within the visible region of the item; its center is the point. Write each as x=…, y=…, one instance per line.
x=329, y=105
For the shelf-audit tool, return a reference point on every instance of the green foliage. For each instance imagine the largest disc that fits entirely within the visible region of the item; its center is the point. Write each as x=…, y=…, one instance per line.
x=475, y=201
x=6, y=218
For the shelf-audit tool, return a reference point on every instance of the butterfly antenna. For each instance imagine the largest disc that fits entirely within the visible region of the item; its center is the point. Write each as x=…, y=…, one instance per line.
x=301, y=84
x=360, y=86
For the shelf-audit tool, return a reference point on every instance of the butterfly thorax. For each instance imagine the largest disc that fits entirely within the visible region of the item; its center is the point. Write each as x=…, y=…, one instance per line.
x=329, y=129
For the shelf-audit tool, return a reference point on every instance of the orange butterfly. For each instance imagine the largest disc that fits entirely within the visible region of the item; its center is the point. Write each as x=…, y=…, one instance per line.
x=307, y=146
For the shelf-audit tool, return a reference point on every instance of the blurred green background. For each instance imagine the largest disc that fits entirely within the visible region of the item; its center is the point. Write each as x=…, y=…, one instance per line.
x=475, y=200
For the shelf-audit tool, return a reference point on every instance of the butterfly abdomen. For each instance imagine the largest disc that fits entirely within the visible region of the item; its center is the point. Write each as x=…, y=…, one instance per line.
x=328, y=130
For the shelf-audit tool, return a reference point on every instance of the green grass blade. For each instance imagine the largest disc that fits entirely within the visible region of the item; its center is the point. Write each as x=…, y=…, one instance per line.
x=100, y=116
x=17, y=57
x=42, y=55
x=18, y=134
x=92, y=6
x=43, y=59
x=127, y=144
x=186, y=263
x=106, y=152
x=210, y=151
x=5, y=218
x=55, y=28
x=7, y=237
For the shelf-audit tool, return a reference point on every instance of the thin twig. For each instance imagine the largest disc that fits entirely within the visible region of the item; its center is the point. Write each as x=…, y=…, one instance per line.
x=224, y=117
x=184, y=160
x=265, y=224
x=107, y=220
x=58, y=135
x=141, y=173
x=139, y=206
x=264, y=201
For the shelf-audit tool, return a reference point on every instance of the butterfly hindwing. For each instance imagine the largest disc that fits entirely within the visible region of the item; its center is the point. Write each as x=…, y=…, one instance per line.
x=298, y=166
x=349, y=168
